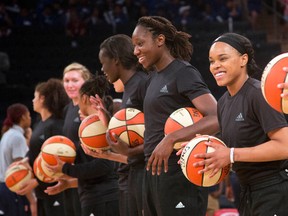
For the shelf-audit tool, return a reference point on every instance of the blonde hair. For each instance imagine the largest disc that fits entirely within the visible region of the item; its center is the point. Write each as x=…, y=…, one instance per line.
x=85, y=73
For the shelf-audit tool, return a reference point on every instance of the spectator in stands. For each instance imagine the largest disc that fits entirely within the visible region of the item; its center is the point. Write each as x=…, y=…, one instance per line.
x=25, y=18
x=254, y=10
x=116, y=16
x=284, y=4
x=47, y=18
x=213, y=198
x=184, y=17
x=233, y=10
x=95, y=21
x=5, y=21
x=75, y=27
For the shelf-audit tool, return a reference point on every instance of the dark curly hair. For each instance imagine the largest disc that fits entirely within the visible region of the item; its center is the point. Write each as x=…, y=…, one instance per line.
x=55, y=96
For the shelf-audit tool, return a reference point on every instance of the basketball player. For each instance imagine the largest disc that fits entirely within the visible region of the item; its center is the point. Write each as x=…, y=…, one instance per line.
x=120, y=64
x=74, y=75
x=94, y=177
x=176, y=84
x=13, y=147
x=255, y=133
x=49, y=101
x=284, y=85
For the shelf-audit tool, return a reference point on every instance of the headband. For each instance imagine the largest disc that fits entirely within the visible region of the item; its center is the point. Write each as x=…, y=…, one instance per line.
x=232, y=42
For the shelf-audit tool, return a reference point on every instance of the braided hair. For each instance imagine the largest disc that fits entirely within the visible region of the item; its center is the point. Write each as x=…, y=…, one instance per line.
x=99, y=85
x=176, y=41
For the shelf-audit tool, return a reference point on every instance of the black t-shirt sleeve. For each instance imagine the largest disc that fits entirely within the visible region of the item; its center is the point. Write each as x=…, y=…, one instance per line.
x=89, y=170
x=190, y=83
x=269, y=118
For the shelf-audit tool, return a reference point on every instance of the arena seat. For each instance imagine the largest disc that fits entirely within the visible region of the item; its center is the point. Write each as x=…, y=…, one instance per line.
x=227, y=212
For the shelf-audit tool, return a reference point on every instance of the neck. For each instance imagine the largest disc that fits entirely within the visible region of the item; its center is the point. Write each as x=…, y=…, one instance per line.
x=45, y=114
x=127, y=74
x=164, y=62
x=91, y=111
x=237, y=85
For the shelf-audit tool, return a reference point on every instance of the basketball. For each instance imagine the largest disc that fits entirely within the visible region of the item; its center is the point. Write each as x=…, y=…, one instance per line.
x=129, y=125
x=92, y=133
x=273, y=74
x=16, y=175
x=58, y=145
x=195, y=146
x=39, y=172
x=181, y=118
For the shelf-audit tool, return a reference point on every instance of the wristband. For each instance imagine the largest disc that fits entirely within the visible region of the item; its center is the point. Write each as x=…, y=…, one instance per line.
x=231, y=155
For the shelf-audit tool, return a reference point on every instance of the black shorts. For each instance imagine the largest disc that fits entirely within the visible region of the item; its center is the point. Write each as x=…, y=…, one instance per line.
x=269, y=197
x=11, y=203
x=52, y=205
x=72, y=206
x=135, y=188
x=172, y=194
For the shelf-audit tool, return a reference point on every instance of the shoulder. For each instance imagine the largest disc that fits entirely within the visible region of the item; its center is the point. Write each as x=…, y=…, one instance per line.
x=253, y=90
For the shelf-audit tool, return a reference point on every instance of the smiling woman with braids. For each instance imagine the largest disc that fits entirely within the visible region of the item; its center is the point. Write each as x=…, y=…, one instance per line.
x=176, y=84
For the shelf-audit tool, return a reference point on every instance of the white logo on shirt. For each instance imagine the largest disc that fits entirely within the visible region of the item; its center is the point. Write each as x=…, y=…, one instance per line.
x=164, y=89
x=77, y=119
x=56, y=203
x=180, y=205
x=129, y=101
x=239, y=117
x=42, y=137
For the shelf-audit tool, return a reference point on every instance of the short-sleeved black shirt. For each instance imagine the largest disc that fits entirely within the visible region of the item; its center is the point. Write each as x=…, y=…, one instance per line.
x=245, y=119
x=170, y=89
x=133, y=97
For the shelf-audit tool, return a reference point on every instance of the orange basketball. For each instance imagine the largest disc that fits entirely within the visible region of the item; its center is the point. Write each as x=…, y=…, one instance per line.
x=16, y=175
x=58, y=145
x=273, y=74
x=181, y=118
x=39, y=172
x=129, y=125
x=92, y=133
x=196, y=146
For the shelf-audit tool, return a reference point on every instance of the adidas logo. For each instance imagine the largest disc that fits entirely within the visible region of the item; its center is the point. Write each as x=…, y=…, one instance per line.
x=77, y=119
x=42, y=137
x=239, y=117
x=164, y=89
x=129, y=101
x=180, y=205
x=56, y=203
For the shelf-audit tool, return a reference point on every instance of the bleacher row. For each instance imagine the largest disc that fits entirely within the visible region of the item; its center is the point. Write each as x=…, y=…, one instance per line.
x=38, y=54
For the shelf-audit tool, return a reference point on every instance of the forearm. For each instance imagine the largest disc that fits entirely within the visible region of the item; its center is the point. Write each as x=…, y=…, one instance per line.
x=274, y=149
x=136, y=150
x=117, y=157
x=72, y=182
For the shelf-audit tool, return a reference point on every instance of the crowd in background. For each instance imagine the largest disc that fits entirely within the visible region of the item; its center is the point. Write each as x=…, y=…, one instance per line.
x=78, y=17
